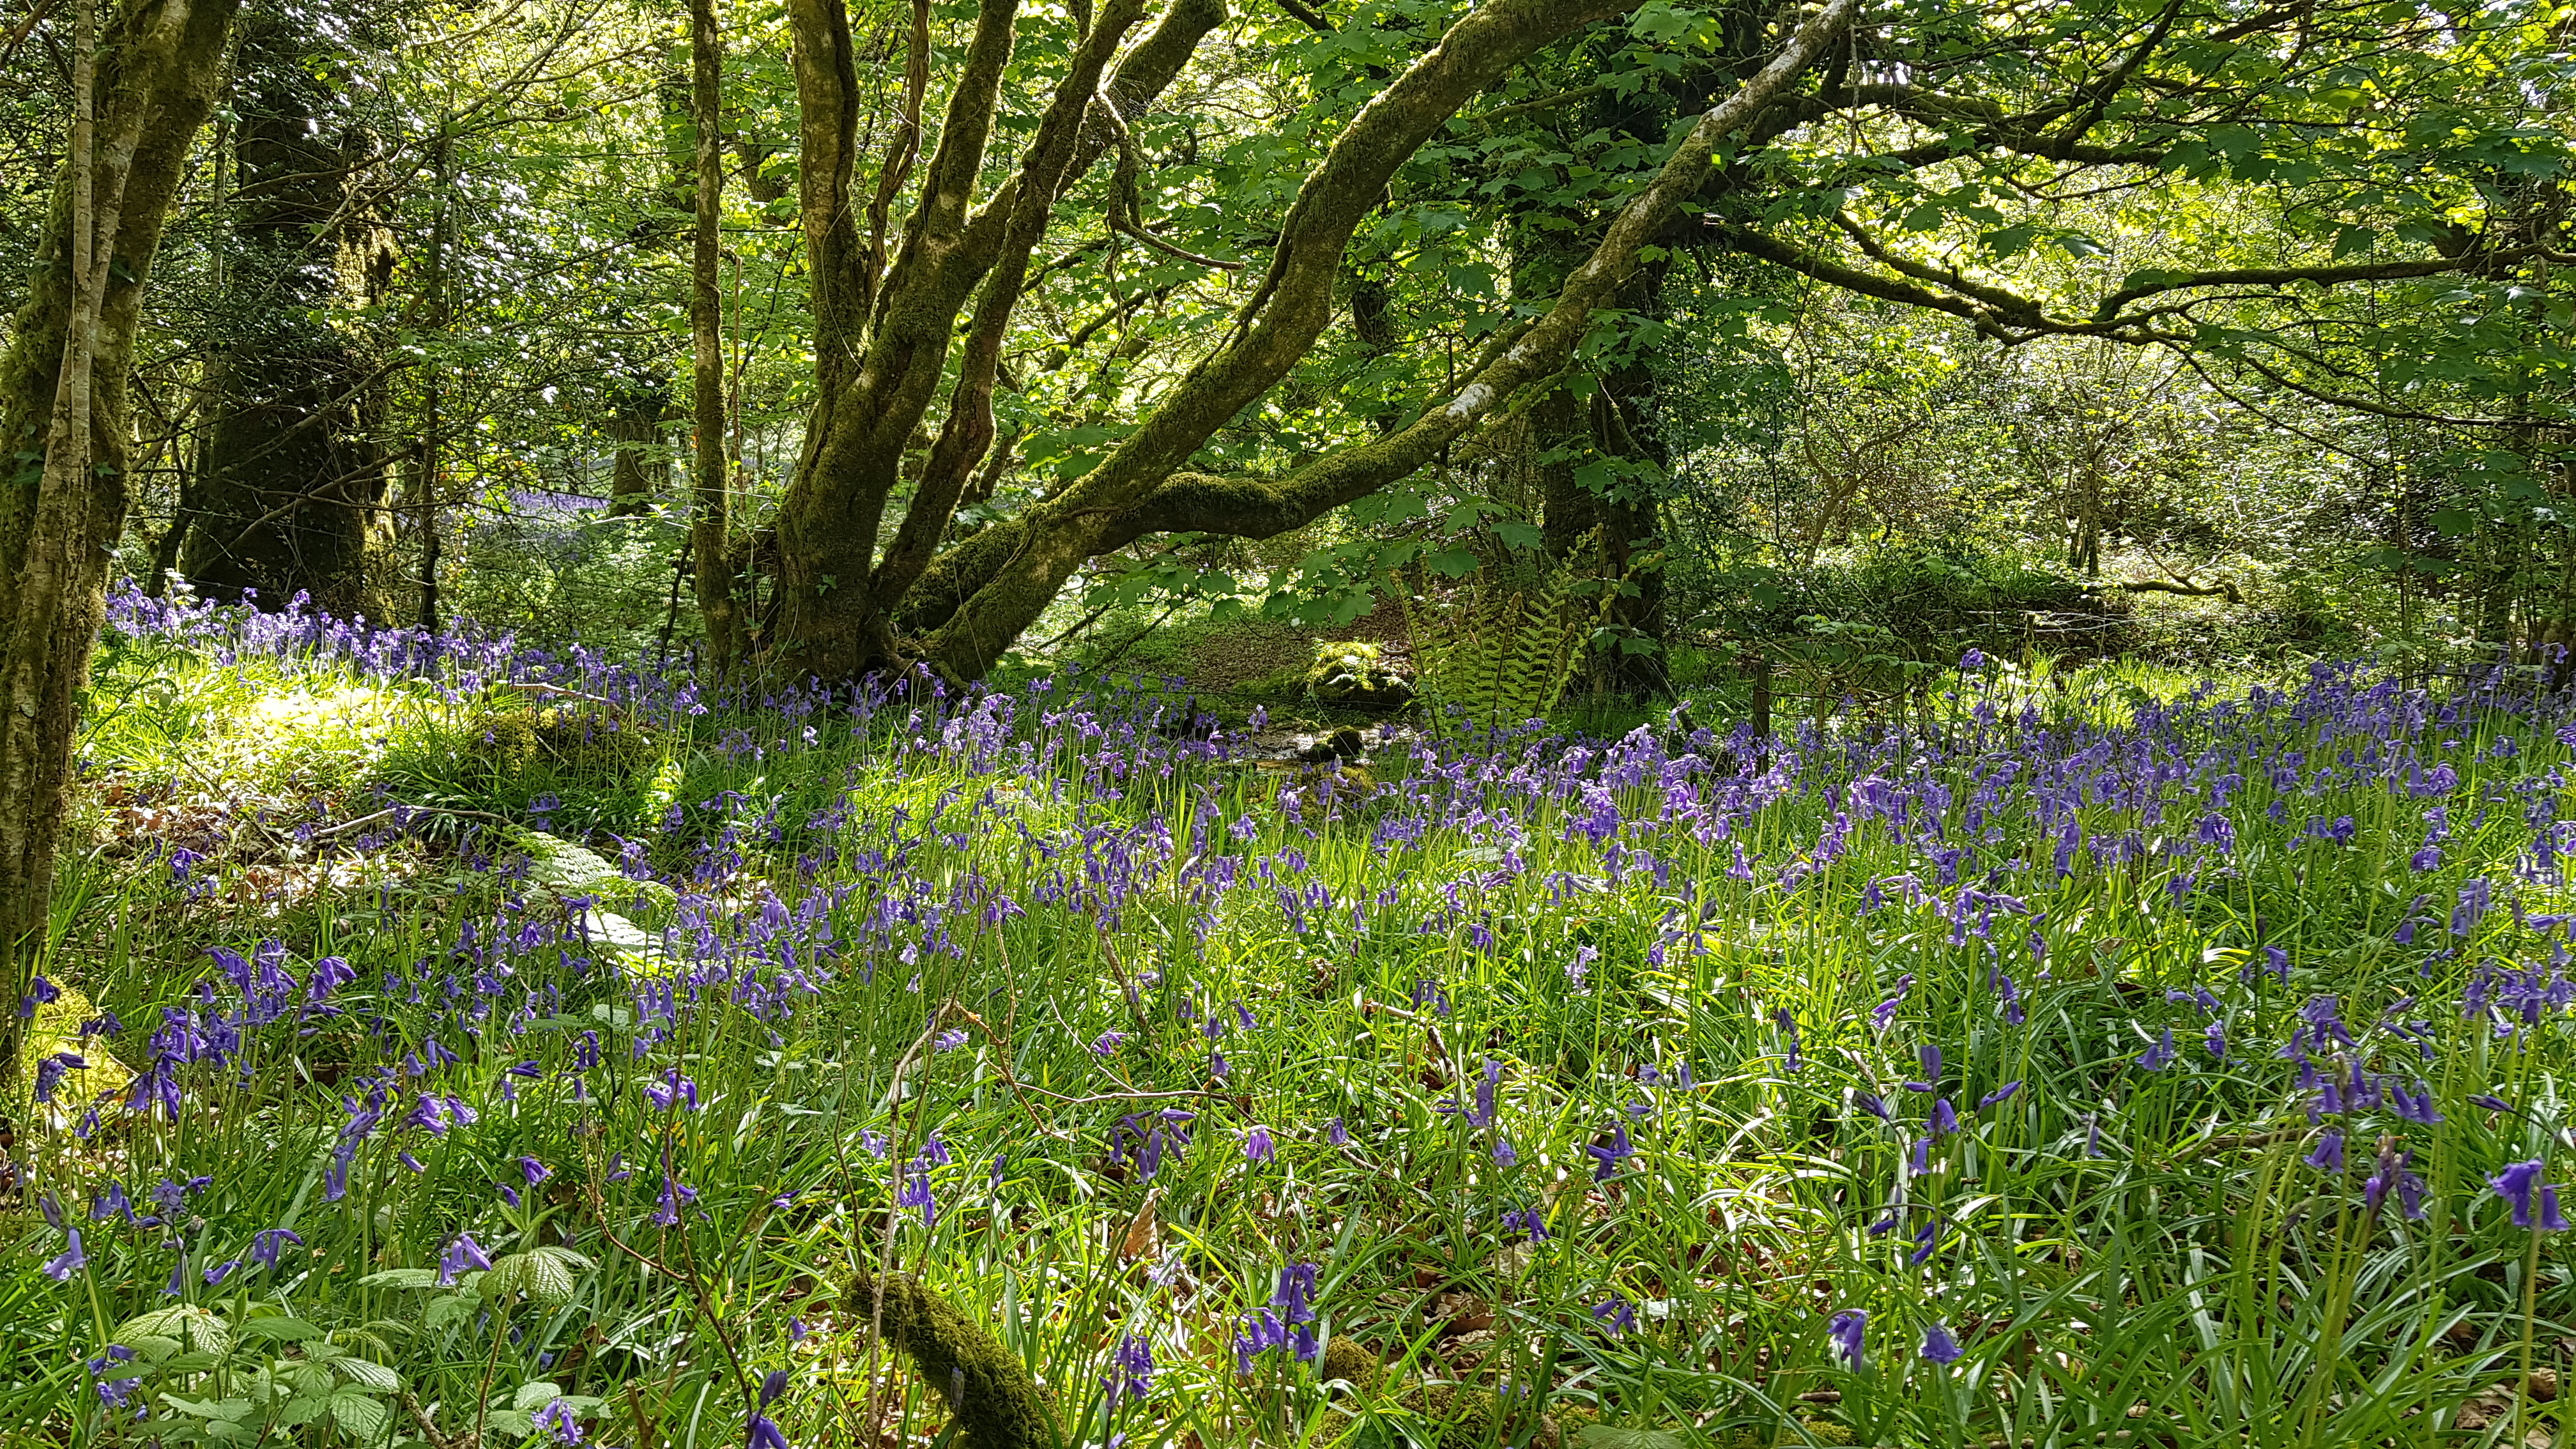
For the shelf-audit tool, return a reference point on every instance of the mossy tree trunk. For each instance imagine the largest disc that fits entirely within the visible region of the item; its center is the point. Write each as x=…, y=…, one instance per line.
x=292, y=496
x=140, y=93
x=850, y=601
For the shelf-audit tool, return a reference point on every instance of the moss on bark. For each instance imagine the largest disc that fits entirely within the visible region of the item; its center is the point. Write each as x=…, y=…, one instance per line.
x=998, y=1405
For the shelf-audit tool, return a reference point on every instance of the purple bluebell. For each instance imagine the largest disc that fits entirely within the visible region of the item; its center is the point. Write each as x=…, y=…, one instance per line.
x=2519, y=1184
x=1999, y=1095
x=1616, y=1315
x=1131, y=1370
x=1939, y=1347
x=558, y=1423
x=70, y=1260
x=1257, y=1146
x=2328, y=1156
x=1849, y=1329
x=1607, y=1155
x=2160, y=1056
x=463, y=1255
x=2391, y=1174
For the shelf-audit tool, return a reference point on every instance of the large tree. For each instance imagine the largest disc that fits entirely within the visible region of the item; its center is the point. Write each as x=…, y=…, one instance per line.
x=291, y=493
x=142, y=86
x=849, y=601
x=1930, y=160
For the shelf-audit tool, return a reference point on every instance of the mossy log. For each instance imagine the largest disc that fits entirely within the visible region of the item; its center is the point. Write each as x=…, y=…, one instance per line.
x=998, y=1405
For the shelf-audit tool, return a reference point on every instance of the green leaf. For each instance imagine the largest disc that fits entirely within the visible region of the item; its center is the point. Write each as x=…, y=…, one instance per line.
x=1519, y=535
x=401, y=1278
x=368, y=1374
x=360, y=1417
x=2354, y=239
x=536, y=1394
x=544, y=1274
x=446, y=1309
x=201, y=1328
x=288, y=1330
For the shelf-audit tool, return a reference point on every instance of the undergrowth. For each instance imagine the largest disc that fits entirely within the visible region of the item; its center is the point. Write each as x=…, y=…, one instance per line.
x=2045, y=1066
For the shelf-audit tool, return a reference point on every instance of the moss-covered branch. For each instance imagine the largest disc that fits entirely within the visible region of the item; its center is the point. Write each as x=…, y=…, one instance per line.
x=998, y=1405
x=1030, y=557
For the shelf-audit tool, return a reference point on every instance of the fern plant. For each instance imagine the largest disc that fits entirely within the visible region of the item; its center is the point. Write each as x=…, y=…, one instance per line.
x=1504, y=650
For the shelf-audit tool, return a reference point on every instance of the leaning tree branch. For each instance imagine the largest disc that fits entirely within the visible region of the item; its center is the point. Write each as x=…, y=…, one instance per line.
x=1516, y=367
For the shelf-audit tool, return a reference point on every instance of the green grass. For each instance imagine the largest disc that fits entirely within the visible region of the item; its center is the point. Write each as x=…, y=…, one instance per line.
x=1576, y=920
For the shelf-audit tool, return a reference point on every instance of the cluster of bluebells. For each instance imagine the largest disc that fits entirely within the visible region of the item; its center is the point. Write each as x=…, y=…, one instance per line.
x=1287, y=1322
x=1061, y=809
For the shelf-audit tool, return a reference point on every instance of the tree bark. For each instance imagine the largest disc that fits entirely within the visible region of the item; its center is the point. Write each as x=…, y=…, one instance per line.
x=292, y=499
x=710, y=547
x=139, y=99
x=981, y=596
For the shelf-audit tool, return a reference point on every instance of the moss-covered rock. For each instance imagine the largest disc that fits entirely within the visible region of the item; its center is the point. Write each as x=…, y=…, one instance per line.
x=1355, y=675
x=579, y=746
x=998, y=1406
x=1350, y=1360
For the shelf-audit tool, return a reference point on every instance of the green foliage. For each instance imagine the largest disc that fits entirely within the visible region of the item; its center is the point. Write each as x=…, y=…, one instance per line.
x=1502, y=651
x=596, y=766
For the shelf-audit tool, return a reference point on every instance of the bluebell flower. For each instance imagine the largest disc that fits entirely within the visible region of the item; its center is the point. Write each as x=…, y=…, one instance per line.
x=266, y=1244
x=462, y=1255
x=1131, y=1370
x=2329, y=1154
x=557, y=1422
x=1849, y=1330
x=2000, y=1095
x=2156, y=1058
x=1607, y=1155
x=1616, y=1314
x=71, y=1260
x=2520, y=1184
x=1257, y=1146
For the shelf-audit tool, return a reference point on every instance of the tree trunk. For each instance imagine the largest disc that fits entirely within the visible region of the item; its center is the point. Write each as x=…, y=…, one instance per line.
x=1609, y=418
x=293, y=494
x=709, y=516
x=636, y=407
x=139, y=97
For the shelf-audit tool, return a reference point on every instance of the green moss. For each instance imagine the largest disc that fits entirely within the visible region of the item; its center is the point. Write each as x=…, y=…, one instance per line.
x=1355, y=673
x=998, y=1406
x=1350, y=1360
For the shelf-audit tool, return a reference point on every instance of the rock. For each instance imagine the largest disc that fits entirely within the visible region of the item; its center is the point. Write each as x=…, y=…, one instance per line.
x=1356, y=675
x=1345, y=743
